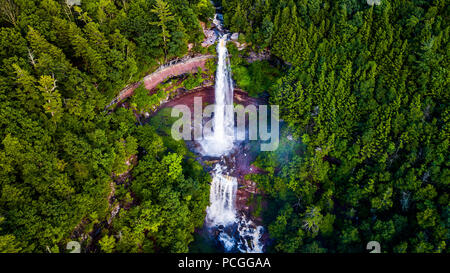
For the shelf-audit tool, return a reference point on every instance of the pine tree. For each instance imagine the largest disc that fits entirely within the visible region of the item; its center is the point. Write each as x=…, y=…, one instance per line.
x=161, y=9
x=51, y=96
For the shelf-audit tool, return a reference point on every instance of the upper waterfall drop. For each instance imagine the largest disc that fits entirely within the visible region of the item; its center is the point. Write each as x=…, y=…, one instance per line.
x=221, y=141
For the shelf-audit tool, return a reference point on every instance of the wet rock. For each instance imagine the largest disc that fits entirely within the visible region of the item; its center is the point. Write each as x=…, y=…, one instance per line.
x=210, y=159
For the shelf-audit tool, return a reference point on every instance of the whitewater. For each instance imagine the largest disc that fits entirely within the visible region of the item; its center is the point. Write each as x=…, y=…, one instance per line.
x=235, y=232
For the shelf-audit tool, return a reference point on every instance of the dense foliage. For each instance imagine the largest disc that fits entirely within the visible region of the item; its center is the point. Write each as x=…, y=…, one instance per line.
x=367, y=95
x=172, y=189
x=363, y=93
x=60, y=65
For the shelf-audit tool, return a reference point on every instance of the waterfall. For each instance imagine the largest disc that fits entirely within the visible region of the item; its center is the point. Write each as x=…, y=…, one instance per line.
x=233, y=231
x=221, y=141
x=222, y=199
x=223, y=115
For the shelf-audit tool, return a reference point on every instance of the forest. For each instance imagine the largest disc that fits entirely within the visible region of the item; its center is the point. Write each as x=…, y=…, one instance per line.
x=61, y=64
x=363, y=92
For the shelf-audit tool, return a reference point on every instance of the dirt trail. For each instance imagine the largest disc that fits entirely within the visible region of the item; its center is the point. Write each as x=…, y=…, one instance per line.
x=171, y=69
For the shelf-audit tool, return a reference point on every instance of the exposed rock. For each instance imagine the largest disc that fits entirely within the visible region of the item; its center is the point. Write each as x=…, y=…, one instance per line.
x=239, y=45
x=113, y=213
x=373, y=2
x=210, y=37
x=265, y=55
x=234, y=36
x=71, y=3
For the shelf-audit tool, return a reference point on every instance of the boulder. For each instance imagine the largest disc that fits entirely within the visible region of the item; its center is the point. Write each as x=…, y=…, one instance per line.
x=234, y=36
x=71, y=3
x=240, y=46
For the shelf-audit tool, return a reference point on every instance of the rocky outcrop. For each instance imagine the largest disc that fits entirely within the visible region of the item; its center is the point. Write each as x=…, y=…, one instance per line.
x=240, y=46
x=253, y=57
x=373, y=2
x=210, y=34
x=234, y=36
x=210, y=37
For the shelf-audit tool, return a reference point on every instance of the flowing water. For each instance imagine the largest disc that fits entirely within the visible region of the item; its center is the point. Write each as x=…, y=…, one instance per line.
x=220, y=142
x=233, y=231
x=222, y=209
